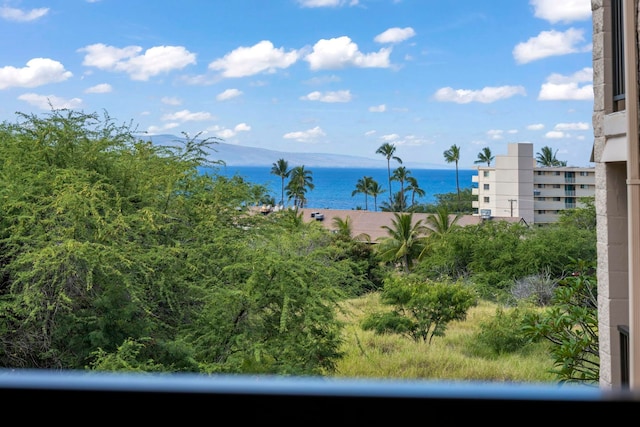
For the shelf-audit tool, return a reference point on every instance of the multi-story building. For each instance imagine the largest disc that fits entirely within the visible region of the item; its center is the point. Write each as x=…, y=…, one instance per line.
x=515, y=187
x=616, y=153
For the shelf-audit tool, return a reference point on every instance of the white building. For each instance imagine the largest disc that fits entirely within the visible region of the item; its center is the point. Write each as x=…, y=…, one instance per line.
x=515, y=187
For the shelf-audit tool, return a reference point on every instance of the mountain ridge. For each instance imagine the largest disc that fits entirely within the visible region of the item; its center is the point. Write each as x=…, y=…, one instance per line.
x=236, y=155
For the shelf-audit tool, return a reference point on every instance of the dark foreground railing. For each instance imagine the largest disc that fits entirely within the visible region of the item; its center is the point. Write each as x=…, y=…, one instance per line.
x=88, y=397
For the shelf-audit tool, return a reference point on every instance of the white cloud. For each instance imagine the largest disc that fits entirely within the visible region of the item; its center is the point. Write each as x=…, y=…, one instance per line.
x=188, y=116
x=555, y=11
x=395, y=35
x=378, y=108
x=18, y=15
x=337, y=96
x=226, y=133
x=495, y=133
x=170, y=101
x=341, y=52
x=562, y=88
x=154, y=61
x=550, y=43
x=38, y=72
x=571, y=126
x=326, y=3
x=554, y=134
x=306, y=135
x=101, y=88
x=259, y=58
x=228, y=94
x=390, y=137
x=485, y=95
x=535, y=126
x=48, y=102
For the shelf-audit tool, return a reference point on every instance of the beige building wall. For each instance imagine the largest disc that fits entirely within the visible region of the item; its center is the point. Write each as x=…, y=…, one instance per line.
x=514, y=187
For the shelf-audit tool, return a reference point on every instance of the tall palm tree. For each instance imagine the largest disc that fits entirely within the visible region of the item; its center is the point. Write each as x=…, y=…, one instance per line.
x=485, y=156
x=375, y=190
x=401, y=174
x=388, y=150
x=546, y=157
x=415, y=189
x=450, y=156
x=281, y=169
x=300, y=179
x=362, y=187
x=405, y=242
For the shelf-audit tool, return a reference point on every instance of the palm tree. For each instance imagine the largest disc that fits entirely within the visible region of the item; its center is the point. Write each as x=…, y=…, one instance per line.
x=453, y=155
x=388, y=150
x=485, y=156
x=405, y=242
x=546, y=157
x=375, y=190
x=362, y=187
x=415, y=189
x=401, y=174
x=300, y=180
x=344, y=229
x=441, y=221
x=281, y=169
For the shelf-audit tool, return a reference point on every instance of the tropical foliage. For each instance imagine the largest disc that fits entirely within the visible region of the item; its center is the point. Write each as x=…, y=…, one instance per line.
x=117, y=254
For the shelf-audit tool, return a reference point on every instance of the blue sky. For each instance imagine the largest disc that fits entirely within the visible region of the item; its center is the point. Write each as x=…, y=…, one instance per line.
x=313, y=76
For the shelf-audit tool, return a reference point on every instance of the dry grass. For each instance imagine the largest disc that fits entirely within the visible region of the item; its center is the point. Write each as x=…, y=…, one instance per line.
x=448, y=358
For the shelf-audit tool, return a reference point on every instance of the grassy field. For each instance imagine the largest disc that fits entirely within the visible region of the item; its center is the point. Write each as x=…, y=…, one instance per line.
x=455, y=357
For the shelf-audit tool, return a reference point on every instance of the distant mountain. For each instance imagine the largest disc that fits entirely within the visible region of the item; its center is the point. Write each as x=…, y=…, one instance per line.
x=236, y=155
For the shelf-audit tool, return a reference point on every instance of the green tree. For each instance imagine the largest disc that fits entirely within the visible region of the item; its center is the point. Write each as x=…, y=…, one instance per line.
x=375, y=190
x=547, y=157
x=421, y=309
x=571, y=325
x=281, y=169
x=300, y=180
x=484, y=156
x=388, y=150
x=363, y=187
x=344, y=229
x=452, y=155
x=116, y=254
x=405, y=241
x=401, y=174
x=582, y=217
x=442, y=222
x=415, y=189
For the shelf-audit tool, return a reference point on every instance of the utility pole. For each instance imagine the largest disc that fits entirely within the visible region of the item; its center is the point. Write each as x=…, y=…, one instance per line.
x=511, y=201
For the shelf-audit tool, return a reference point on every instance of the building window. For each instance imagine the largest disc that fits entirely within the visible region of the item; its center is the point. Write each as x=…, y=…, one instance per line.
x=584, y=186
x=556, y=185
x=617, y=55
x=541, y=199
x=486, y=200
x=570, y=202
x=540, y=172
x=486, y=186
x=556, y=199
x=540, y=185
x=542, y=212
x=569, y=177
x=485, y=174
x=556, y=173
x=583, y=173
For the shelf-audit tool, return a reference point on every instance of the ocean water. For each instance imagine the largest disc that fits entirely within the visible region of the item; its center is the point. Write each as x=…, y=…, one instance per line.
x=333, y=187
